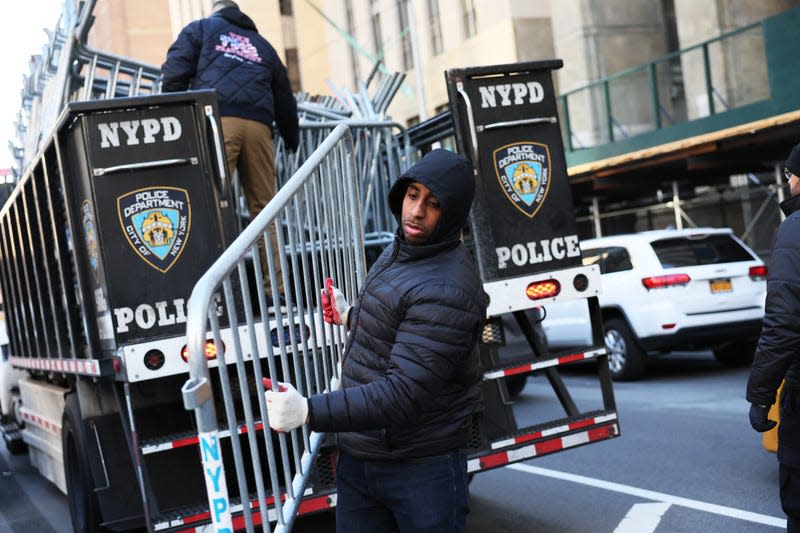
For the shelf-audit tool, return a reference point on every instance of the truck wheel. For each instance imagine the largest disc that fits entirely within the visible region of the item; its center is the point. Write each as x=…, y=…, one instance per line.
x=16, y=446
x=735, y=354
x=625, y=357
x=84, y=509
x=515, y=384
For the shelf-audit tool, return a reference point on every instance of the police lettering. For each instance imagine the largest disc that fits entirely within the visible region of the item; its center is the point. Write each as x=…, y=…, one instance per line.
x=542, y=251
x=160, y=314
x=516, y=93
x=134, y=131
x=152, y=199
x=146, y=316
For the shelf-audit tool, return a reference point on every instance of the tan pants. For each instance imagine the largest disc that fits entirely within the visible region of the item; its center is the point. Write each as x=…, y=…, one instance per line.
x=248, y=146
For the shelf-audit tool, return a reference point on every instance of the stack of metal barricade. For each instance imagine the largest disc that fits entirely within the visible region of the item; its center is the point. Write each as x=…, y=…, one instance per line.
x=382, y=149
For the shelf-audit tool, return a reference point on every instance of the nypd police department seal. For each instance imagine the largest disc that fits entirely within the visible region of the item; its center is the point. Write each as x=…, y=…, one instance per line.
x=156, y=223
x=523, y=170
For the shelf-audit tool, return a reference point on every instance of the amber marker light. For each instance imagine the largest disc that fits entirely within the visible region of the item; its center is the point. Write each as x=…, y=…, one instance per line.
x=211, y=351
x=547, y=288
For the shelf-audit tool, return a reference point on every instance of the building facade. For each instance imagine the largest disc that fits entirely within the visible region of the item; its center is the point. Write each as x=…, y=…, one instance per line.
x=330, y=44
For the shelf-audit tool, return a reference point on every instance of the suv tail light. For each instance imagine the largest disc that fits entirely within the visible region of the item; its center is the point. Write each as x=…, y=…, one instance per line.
x=758, y=272
x=659, y=282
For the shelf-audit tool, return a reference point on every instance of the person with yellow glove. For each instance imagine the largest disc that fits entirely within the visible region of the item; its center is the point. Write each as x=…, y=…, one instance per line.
x=777, y=356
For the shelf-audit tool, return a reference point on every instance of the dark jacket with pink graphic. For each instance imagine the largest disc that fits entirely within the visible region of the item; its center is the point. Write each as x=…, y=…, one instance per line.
x=225, y=52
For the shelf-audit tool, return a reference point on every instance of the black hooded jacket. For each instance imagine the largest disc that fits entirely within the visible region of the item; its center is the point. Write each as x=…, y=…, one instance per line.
x=778, y=354
x=411, y=371
x=225, y=52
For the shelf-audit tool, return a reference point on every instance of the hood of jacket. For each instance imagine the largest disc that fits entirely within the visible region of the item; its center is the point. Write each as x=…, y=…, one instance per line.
x=450, y=178
x=790, y=205
x=235, y=16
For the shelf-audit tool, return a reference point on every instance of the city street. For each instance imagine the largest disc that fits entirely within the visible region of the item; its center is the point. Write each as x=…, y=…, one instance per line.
x=686, y=461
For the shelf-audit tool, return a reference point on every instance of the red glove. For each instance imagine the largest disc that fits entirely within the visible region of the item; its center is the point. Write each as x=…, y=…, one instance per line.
x=334, y=305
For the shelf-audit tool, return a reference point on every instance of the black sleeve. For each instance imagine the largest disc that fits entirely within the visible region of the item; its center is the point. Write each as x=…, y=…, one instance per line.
x=779, y=343
x=285, y=107
x=181, y=63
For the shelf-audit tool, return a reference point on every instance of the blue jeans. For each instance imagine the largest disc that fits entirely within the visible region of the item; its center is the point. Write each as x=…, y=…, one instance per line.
x=426, y=494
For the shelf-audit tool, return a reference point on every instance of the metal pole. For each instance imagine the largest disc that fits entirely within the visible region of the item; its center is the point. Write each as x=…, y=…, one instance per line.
x=598, y=231
x=412, y=35
x=676, y=205
x=779, y=187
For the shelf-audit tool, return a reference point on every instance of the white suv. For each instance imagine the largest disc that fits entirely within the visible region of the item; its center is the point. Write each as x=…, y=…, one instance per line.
x=663, y=290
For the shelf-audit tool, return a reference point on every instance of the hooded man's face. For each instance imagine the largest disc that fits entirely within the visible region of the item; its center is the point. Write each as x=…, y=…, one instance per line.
x=420, y=213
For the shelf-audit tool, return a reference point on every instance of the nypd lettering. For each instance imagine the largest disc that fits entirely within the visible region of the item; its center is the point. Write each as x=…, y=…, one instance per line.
x=531, y=92
x=156, y=223
x=214, y=471
x=523, y=171
x=543, y=251
x=133, y=132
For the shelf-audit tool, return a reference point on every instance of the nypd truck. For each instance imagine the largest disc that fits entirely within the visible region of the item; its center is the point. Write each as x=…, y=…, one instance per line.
x=523, y=234
x=132, y=374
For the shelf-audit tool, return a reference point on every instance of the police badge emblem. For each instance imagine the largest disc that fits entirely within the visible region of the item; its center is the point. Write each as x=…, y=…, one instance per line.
x=156, y=223
x=523, y=170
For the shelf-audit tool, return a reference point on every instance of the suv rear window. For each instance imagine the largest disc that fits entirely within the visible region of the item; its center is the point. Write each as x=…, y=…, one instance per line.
x=713, y=249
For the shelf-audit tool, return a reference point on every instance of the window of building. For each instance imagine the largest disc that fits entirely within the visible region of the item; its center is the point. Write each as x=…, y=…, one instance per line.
x=375, y=23
x=286, y=7
x=436, y=26
x=293, y=69
x=468, y=13
x=402, y=17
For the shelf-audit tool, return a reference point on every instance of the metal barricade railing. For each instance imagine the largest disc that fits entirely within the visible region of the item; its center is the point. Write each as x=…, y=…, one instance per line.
x=322, y=235
x=382, y=153
x=69, y=71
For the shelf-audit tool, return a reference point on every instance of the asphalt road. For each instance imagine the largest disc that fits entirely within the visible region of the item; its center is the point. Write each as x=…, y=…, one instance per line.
x=686, y=461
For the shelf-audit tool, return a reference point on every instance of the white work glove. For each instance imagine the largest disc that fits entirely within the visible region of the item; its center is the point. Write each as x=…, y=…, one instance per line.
x=334, y=305
x=286, y=408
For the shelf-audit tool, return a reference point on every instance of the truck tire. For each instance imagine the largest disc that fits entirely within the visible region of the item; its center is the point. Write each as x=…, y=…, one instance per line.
x=515, y=384
x=739, y=353
x=84, y=509
x=626, y=359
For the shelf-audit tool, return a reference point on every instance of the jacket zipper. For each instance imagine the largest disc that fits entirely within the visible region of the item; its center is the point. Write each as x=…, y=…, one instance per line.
x=370, y=278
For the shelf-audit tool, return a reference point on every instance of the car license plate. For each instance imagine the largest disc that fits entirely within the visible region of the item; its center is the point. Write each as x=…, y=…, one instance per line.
x=721, y=285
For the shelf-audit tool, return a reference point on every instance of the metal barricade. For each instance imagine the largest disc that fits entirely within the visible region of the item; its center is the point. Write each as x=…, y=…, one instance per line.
x=69, y=71
x=320, y=234
x=382, y=153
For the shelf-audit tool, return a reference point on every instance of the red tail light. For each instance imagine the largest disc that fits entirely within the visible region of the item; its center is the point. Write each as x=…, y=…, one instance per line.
x=211, y=351
x=543, y=289
x=758, y=272
x=659, y=282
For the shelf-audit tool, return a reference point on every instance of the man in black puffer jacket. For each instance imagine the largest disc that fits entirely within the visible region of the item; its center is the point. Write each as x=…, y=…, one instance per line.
x=411, y=372
x=778, y=354
x=226, y=53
